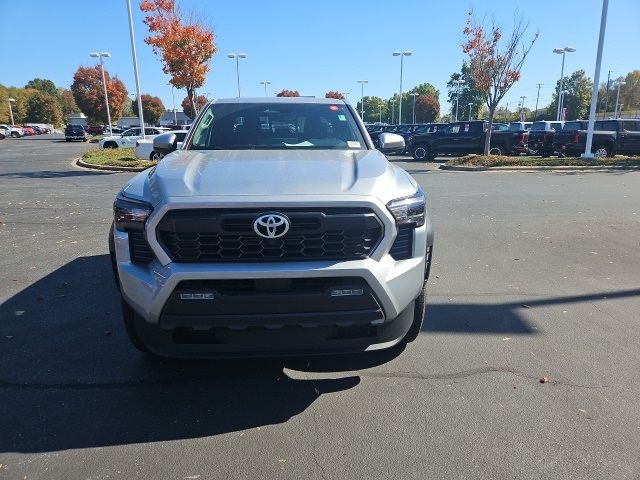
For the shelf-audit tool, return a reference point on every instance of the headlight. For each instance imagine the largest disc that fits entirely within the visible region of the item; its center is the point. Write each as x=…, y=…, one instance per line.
x=409, y=210
x=130, y=214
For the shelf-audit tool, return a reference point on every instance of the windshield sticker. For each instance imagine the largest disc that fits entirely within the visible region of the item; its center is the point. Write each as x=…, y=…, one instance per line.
x=333, y=108
x=342, y=118
x=352, y=144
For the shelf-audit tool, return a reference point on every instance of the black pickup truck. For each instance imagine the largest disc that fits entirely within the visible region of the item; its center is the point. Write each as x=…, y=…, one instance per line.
x=610, y=137
x=460, y=138
x=541, y=137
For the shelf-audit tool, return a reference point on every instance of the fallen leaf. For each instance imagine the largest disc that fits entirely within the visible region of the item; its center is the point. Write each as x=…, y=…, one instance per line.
x=544, y=380
x=506, y=339
x=526, y=306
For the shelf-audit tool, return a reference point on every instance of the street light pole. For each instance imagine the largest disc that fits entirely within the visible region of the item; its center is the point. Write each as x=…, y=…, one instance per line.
x=522, y=119
x=414, y=95
x=470, y=105
x=104, y=83
x=362, y=82
x=11, y=100
x=265, y=83
x=173, y=100
x=596, y=81
x=457, y=83
x=237, y=56
x=401, y=54
x=135, y=68
x=562, y=51
x=618, y=112
x=380, y=108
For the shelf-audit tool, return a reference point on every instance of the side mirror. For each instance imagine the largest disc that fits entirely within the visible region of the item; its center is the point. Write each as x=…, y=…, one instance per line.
x=391, y=143
x=165, y=143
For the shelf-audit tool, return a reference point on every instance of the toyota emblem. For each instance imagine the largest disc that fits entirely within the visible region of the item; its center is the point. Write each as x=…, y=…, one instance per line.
x=271, y=225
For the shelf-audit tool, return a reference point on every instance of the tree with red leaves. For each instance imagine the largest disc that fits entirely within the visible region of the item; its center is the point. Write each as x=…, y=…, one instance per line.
x=427, y=108
x=288, y=93
x=186, y=46
x=187, y=105
x=334, y=94
x=495, y=65
x=88, y=93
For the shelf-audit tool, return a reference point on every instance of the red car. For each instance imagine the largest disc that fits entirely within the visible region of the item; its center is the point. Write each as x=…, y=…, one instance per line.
x=94, y=129
x=28, y=130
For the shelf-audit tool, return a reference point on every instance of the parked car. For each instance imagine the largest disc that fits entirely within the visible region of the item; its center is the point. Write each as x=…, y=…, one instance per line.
x=610, y=137
x=2, y=135
x=29, y=131
x=94, y=129
x=128, y=137
x=75, y=132
x=520, y=126
x=460, y=138
x=252, y=240
x=13, y=131
x=144, y=147
x=541, y=137
x=567, y=134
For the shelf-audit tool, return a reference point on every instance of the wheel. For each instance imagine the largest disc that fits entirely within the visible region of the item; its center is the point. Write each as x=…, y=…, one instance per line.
x=420, y=152
x=499, y=151
x=15, y=134
x=601, y=151
x=418, y=318
x=130, y=318
x=155, y=156
x=85, y=140
x=111, y=145
x=67, y=139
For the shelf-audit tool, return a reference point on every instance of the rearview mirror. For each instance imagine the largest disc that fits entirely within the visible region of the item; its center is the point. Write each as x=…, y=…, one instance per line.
x=391, y=143
x=165, y=143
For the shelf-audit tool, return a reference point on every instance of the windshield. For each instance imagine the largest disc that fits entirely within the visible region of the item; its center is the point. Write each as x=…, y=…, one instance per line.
x=539, y=126
x=606, y=125
x=276, y=126
x=572, y=126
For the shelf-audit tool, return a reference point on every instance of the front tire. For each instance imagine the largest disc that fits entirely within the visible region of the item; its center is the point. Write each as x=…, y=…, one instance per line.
x=498, y=151
x=111, y=145
x=130, y=318
x=15, y=134
x=419, y=307
x=420, y=152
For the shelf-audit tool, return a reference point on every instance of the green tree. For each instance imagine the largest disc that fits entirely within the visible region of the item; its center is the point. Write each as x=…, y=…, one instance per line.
x=424, y=89
x=469, y=94
x=630, y=92
x=67, y=102
x=44, y=108
x=43, y=85
x=372, y=109
x=577, y=100
x=152, y=108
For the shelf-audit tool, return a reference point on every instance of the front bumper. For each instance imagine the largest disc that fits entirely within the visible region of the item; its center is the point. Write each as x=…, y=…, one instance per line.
x=394, y=284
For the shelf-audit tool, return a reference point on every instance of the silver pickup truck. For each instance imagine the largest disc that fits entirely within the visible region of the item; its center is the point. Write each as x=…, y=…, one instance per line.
x=276, y=229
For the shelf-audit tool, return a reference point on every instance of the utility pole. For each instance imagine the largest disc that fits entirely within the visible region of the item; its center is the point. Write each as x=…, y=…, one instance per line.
x=606, y=95
x=522, y=108
x=537, y=98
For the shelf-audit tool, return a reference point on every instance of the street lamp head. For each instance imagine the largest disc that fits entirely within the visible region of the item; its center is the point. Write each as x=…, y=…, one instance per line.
x=94, y=54
x=569, y=49
x=622, y=83
x=407, y=53
x=12, y=100
x=105, y=54
x=558, y=50
x=242, y=55
x=363, y=81
x=231, y=55
x=396, y=53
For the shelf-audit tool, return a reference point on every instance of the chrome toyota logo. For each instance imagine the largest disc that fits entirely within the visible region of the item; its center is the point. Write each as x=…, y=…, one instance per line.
x=271, y=225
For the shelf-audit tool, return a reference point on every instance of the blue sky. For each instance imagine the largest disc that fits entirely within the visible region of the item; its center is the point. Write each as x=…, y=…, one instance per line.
x=314, y=46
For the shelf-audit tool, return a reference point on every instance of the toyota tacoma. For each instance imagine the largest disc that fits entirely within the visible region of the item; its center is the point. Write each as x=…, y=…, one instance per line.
x=275, y=229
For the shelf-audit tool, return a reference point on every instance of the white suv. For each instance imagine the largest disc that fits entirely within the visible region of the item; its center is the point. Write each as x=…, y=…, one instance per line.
x=128, y=137
x=276, y=229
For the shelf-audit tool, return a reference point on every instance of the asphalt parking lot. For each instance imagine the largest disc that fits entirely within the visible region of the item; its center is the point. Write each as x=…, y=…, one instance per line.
x=536, y=275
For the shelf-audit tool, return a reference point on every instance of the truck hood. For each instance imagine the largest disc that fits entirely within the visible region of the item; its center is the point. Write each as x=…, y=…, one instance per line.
x=268, y=173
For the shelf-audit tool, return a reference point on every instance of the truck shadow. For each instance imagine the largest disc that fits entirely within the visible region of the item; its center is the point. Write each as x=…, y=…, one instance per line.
x=69, y=378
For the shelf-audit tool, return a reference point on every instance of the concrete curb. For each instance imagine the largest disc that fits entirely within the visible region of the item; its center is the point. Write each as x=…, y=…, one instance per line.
x=78, y=162
x=558, y=168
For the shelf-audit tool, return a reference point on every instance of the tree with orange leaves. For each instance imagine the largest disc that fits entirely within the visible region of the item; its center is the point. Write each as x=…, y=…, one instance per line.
x=186, y=46
x=88, y=93
x=334, y=94
x=288, y=93
x=495, y=66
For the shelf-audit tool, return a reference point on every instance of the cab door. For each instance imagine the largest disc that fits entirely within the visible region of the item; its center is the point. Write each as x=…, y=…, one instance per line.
x=629, y=137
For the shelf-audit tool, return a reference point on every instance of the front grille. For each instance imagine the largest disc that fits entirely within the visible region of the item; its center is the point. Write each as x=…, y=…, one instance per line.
x=402, y=247
x=226, y=235
x=139, y=249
